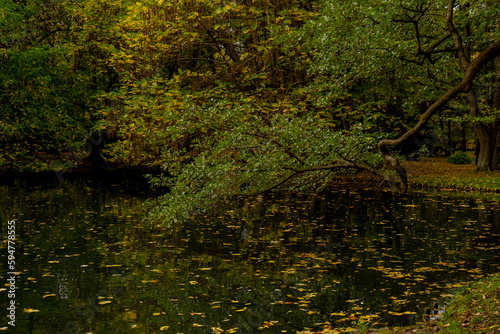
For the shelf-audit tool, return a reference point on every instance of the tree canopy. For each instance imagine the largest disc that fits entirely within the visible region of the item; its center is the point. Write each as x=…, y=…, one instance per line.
x=245, y=97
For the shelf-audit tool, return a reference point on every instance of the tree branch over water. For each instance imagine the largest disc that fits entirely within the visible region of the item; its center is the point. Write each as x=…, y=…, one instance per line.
x=464, y=86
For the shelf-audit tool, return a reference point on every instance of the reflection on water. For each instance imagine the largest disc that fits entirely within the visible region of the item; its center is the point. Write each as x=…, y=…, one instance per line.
x=90, y=264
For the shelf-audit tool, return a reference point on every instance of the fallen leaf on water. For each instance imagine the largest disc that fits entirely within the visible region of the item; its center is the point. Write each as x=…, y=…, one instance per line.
x=342, y=314
x=104, y=302
x=30, y=310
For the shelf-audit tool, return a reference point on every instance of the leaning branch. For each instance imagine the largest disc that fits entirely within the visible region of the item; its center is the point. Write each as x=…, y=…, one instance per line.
x=464, y=86
x=341, y=164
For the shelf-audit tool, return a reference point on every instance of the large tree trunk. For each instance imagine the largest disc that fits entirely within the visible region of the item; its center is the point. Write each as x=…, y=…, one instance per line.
x=486, y=144
x=487, y=134
x=495, y=159
x=496, y=106
x=483, y=160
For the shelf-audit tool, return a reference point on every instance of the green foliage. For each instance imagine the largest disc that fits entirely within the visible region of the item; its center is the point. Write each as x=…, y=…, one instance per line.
x=363, y=53
x=459, y=158
x=227, y=98
x=376, y=54
x=205, y=87
x=246, y=154
x=480, y=296
x=203, y=51
x=49, y=84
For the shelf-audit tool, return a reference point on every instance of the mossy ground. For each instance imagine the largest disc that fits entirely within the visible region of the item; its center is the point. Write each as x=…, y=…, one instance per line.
x=437, y=173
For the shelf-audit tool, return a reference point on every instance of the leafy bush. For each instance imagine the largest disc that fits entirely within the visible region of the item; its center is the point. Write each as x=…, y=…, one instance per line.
x=459, y=158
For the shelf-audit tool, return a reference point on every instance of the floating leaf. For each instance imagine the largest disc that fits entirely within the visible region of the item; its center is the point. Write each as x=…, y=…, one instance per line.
x=30, y=310
x=104, y=302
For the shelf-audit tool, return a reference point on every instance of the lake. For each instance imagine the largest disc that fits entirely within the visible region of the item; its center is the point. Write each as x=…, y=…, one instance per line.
x=88, y=262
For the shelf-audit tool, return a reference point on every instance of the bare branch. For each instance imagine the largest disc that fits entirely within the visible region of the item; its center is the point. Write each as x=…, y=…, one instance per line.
x=340, y=164
x=418, y=62
x=445, y=50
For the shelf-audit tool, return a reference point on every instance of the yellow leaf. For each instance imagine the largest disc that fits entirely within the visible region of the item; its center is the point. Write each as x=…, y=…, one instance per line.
x=104, y=302
x=30, y=310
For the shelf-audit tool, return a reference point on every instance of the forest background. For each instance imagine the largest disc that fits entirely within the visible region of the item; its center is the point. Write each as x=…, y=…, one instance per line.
x=225, y=98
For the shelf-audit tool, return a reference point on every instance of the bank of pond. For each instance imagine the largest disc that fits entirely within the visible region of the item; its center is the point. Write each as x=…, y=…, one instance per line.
x=88, y=262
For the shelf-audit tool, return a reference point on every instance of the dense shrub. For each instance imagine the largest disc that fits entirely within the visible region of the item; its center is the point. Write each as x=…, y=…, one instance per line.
x=459, y=158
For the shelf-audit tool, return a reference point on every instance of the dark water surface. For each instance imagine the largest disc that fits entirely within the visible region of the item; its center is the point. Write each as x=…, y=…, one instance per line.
x=87, y=262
